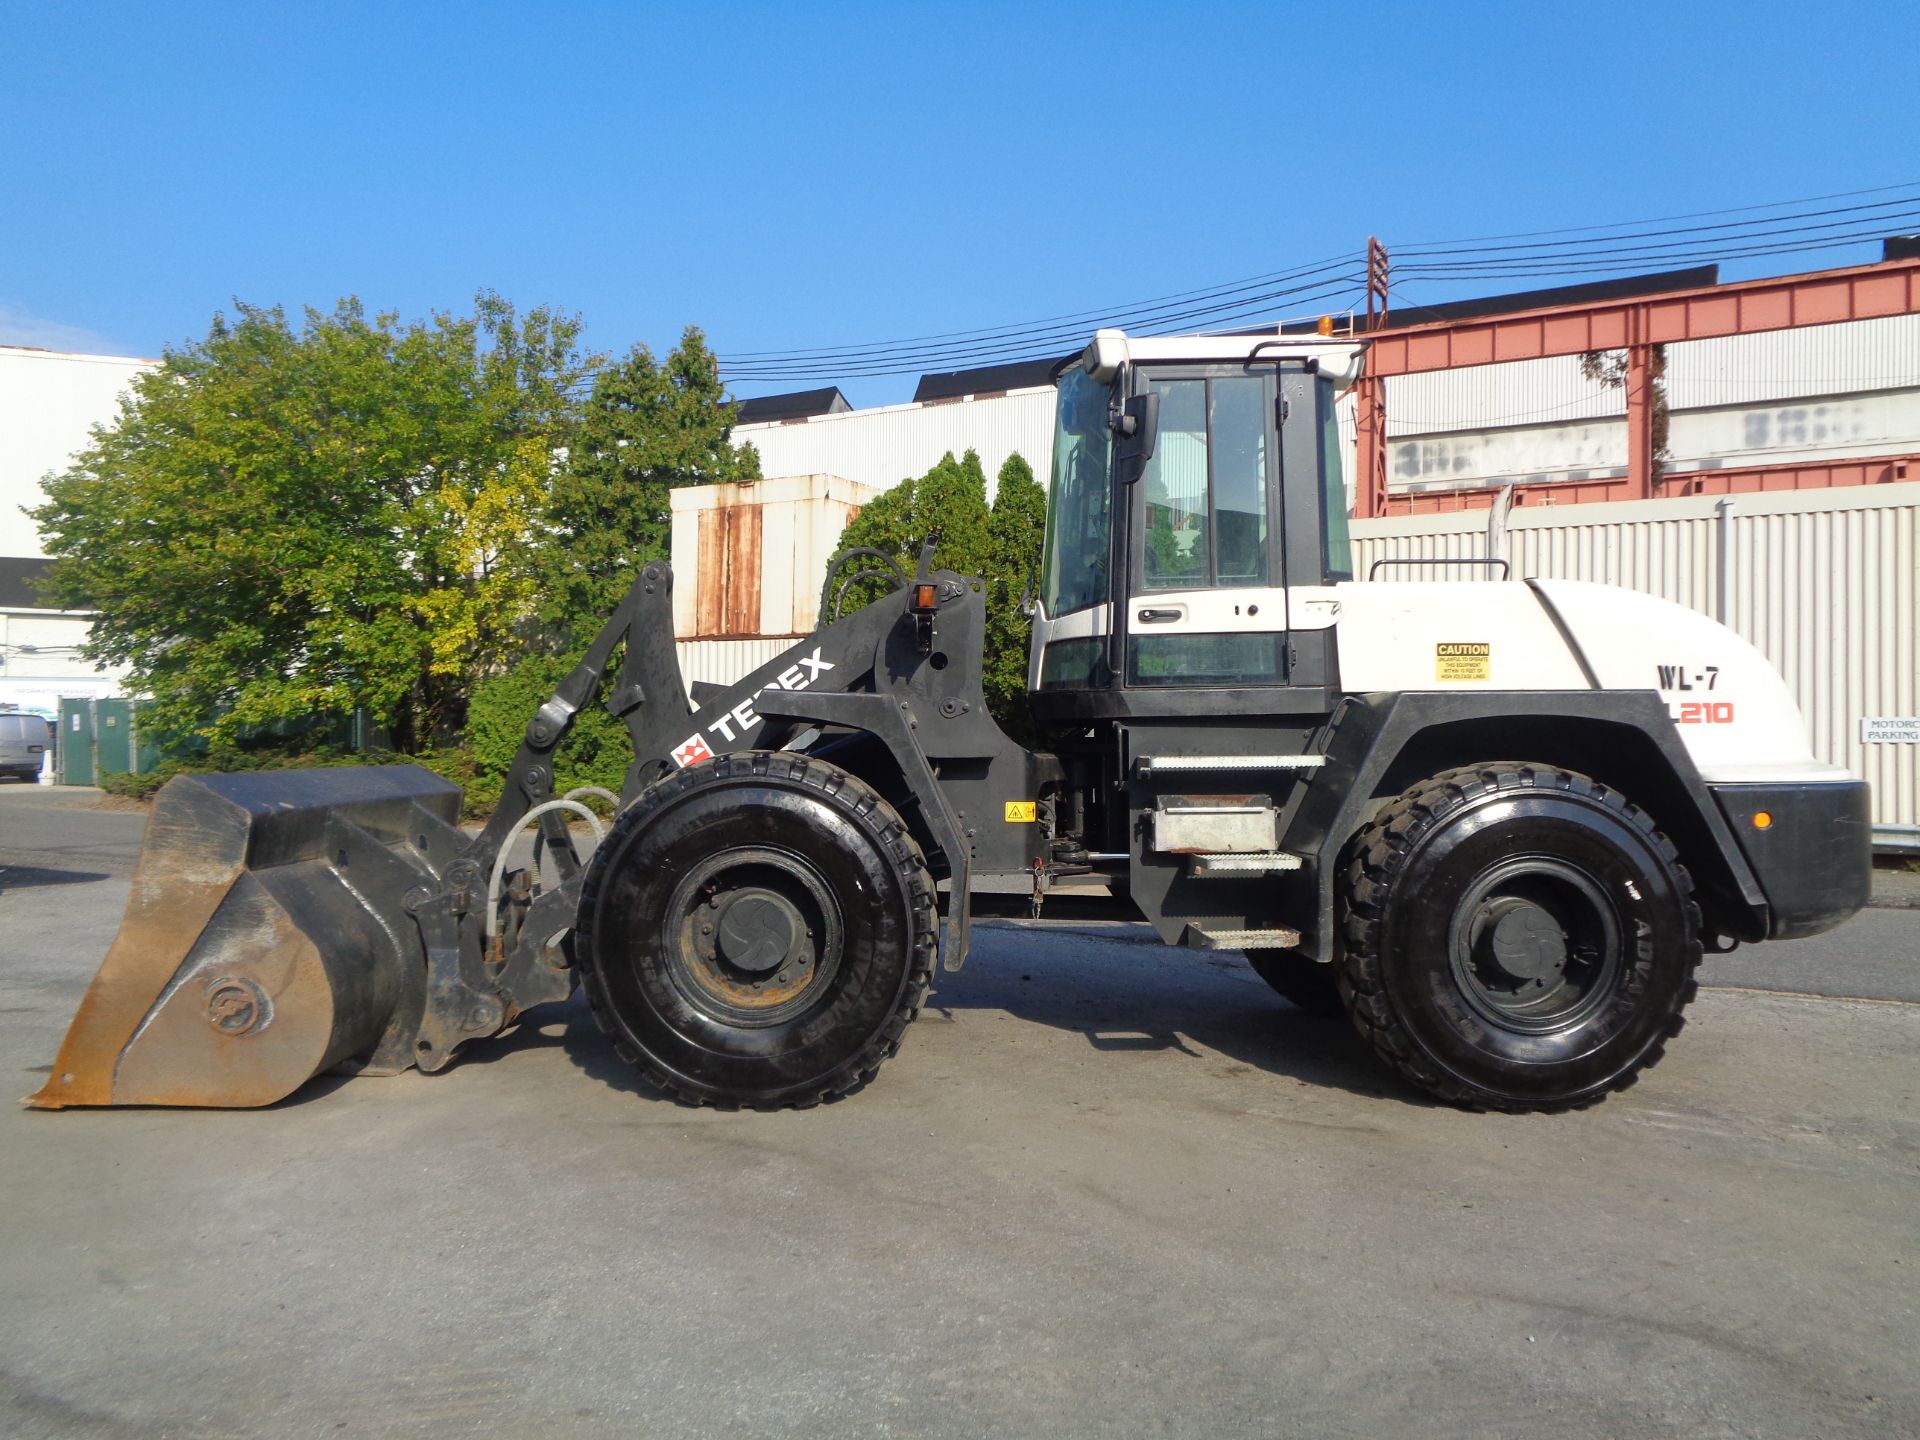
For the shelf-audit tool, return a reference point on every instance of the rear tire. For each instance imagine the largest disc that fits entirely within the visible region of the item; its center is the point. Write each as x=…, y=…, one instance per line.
x=758, y=930
x=1309, y=985
x=1518, y=937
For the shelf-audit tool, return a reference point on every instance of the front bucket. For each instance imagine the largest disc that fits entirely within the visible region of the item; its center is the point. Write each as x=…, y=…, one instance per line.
x=266, y=939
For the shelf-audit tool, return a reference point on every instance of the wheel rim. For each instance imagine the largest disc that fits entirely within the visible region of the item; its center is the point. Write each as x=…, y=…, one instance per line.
x=1535, y=945
x=753, y=936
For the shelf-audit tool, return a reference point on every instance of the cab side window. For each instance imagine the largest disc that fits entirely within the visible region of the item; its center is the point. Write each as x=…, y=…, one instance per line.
x=1206, y=485
x=1177, y=549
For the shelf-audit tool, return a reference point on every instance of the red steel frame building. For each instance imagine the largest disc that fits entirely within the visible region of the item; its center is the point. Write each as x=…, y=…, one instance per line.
x=1636, y=325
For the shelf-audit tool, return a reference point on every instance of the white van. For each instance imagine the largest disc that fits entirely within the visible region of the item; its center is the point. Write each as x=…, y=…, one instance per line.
x=25, y=739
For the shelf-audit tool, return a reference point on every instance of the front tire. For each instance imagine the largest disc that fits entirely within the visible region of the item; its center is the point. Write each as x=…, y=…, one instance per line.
x=1518, y=937
x=758, y=930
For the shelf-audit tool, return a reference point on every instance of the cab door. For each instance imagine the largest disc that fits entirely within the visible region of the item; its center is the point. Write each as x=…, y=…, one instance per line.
x=1207, y=602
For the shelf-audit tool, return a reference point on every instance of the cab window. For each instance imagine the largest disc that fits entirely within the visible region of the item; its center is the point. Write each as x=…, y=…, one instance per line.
x=1338, y=551
x=1205, y=498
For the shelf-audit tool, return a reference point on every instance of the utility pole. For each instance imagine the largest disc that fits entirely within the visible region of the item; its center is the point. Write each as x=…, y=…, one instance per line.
x=1370, y=401
x=1377, y=270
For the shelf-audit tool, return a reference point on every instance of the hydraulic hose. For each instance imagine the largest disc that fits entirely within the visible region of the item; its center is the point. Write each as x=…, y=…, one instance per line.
x=500, y=860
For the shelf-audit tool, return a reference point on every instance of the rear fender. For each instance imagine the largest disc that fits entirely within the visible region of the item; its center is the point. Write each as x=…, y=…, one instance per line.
x=1382, y=743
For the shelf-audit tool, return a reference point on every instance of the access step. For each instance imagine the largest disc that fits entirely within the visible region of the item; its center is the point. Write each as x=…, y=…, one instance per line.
x=1164, y=764
x=1241, y=863
x=1206, y=937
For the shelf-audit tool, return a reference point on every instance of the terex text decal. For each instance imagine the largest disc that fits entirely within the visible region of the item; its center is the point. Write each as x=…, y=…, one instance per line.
x=741, y=721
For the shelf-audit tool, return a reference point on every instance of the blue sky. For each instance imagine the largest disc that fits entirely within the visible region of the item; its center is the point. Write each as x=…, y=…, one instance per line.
x=794, y=175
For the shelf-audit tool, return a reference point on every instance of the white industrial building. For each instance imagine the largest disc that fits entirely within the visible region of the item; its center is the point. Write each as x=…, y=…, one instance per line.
x=49, y=403
x=882, y=446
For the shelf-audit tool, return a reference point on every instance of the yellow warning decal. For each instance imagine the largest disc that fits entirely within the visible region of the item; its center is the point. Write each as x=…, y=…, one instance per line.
x=1471, y=660
x=1021, y=812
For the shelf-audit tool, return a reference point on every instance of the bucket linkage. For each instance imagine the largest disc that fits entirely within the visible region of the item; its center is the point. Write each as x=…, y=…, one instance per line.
x=287, y=923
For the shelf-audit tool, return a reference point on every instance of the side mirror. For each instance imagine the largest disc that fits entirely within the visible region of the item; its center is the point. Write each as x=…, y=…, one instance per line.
x=1135, y=430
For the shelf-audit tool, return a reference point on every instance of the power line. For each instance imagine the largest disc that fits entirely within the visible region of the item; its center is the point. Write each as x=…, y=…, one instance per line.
x=908, y=365
x=1610, y=247
x=1507, y=269
x=1874, y=225
x=1041, y=334
x=1034, y=347
x=1667, y=219
x=1900, y=209
x=1231, y=287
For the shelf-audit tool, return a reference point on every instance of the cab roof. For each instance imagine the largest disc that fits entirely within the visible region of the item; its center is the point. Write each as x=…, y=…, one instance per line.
x=1339, y=358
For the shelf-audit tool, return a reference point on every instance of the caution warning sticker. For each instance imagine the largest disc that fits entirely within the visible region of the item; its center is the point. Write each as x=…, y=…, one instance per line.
x=1021, y=812
x=1463, y=660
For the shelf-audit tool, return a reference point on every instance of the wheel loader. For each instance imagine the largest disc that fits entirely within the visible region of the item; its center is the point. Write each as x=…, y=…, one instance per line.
x=1497, y=821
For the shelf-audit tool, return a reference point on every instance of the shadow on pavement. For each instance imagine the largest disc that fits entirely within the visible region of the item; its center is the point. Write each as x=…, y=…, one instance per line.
x=1130, y=992
x=1116, y=994
x=567, y=1024
x=28, y=877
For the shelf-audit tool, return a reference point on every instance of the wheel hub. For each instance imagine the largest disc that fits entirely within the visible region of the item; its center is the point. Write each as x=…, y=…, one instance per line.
x=758, y=929
x=1523, y=940
x=754, y=936
x=1535, y=945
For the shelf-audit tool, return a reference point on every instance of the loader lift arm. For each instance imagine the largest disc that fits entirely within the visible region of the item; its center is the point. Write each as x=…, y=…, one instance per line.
x=288, y=923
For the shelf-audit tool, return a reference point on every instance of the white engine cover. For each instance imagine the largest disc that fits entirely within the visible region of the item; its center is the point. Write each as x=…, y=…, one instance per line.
x=1734, y=713
x=1409, y=635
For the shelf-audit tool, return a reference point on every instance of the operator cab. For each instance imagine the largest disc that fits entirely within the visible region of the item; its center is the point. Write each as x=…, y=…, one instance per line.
x=1197, y=505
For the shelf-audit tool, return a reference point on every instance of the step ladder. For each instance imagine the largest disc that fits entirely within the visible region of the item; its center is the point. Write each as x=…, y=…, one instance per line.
x=1173, y=764
x=1214, y=935
x=1238, y=865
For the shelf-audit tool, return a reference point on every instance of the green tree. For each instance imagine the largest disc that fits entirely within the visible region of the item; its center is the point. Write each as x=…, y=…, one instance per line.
x=1001, y=546
x=597, y=750
x=282, y=522
x=647, y=427
x=949, y=501
x=1015, y=527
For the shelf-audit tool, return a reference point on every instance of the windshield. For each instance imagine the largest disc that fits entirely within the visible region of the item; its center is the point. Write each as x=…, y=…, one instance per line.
x=1077, y=515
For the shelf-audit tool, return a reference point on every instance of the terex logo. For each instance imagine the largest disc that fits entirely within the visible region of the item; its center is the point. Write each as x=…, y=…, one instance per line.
x=741, y=721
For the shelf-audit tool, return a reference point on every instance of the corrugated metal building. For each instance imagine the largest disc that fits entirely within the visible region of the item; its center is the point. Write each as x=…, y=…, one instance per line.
x=749, y=559
x=882, y=446
x=1821, y=392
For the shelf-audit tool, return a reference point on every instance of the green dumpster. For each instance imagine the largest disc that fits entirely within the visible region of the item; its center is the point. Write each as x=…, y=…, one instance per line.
x=74, y=749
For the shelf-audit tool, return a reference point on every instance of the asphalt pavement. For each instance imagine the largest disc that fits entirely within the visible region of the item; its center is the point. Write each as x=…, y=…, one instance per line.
x=1105, y=1189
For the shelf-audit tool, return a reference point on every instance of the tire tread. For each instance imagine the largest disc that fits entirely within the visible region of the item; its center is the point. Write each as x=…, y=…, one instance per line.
x=882, y=823
x=1379, y=855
